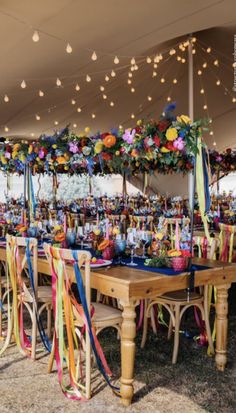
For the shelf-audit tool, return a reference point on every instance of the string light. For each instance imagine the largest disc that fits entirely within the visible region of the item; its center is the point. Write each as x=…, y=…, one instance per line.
x=202, y=91
x=234, y=64
x=79, y=110
x=32, y=134
x=162, y=80
x=120, y=127
x=74, y=125
x=211, y=133
x=37, y=117
x=129, y=81
x=135, y=67
x=149, y=60
x=6, y=99
x=73, y=101
x=94, y=56
x=35, y=36
x=172, y=52
x=218, y=82
x=93, y=116
x=58, y=82
x=233, y=99
x=112, y=104
x=208, y=50
x=149, y=98
x=113, y=73
x=132, y=61
x=154, y=74
x=102, y=88
x=56, y=123
x=130, y=74
x=88, y=78
x=216, y=62
x=132, y=89
x=205, y=107
x=116, y=60
x=155, y=65
x=183, y=60
x=168, y=99
x=41, y=93
x=6, y=129
x=77, y=87
x=107, y=78
x=175, y=81
x=194, y=51
x=132, y=69
x=68, y=48
x=104, y=96
x=199, y=72
x=204, y=65
x=23, y=84
x=214, y=143
x=178, y=58
x=132, y=116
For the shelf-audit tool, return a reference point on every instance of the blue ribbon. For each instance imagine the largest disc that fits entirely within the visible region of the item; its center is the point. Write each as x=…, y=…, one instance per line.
x=81, y=290
x=206, y=182
x=42, y=333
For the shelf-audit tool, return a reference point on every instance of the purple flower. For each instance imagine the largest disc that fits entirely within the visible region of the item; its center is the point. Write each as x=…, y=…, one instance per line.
x=218, y=158
x=179, y=144
x=129, y=136
x=7, y=155
x=41, y=154
x=73, y=147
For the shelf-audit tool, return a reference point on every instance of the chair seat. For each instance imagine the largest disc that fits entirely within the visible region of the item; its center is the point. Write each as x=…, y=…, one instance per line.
x=182, y=296
x=44, y=294
x=104, y=312
x=4, y=281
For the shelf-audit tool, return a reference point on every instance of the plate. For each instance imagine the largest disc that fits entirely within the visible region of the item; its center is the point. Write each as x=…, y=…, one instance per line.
x=105, y=263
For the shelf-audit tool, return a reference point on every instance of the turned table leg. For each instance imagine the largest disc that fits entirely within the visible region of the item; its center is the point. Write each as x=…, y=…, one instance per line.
x=221, y=326
x=128, y=333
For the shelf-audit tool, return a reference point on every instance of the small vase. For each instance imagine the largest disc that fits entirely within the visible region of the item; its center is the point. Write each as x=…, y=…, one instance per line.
x=108, y=253
x=179, y=263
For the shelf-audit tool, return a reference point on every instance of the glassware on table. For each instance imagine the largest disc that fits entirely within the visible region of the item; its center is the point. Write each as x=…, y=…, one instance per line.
x=70, y=237
x=146, y=240
x=132, y=245
x=120, y=246
x=81, y=238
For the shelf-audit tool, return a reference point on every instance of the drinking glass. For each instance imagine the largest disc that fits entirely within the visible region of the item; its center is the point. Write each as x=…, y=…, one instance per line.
x=120, y=246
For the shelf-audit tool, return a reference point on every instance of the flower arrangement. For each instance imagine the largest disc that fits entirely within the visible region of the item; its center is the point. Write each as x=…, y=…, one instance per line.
x=167, y=145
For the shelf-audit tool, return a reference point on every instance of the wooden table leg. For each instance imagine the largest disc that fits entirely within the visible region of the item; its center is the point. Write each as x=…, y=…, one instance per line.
x=128, y=333
x=221, y=326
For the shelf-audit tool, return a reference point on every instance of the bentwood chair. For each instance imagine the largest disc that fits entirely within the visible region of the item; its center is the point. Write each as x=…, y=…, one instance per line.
x=226, y=238
x=22, y=274
x=66, y=266
x=176, y=303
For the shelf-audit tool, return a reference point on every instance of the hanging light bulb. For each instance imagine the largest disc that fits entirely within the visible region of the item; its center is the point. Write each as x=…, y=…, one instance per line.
x=68, y=48
x=107, y=78
x=102, y=88
x=155, y=65
x=132, y=116
x=202, y=91
x=149, y=60
x=94, y=56
x=154, y=74
x=132, y=61
x=32, y=134
x=56, y=123
x=132, y=89
x=210, y=120
x=194, y=39
x=120, y=127
x=172, y=52
x=37, y=117
x=205, y=107
x=6, y=129
x=41, y=93
x=88, y=78
x=183, y=60
x=162, y=80
x=77, y=87
x=234, y=64
x=175, y=81
x=168, y=99
x=104, y=96
x=129, y=81
x=132, y=69
x=149, y=98
x=79, y=110
x=199, y=72
x=35, y=36
x=112, y=103
x=6, y=99
x=73, y=101
x=135, y=67
x=214, y=143
x=211, y=133
x=178, y=58
x=216, y=62
x=194, y=51
x=93, y=116
x=218, y=82
x=209, y=50
x=130, y=74
x=204, y=65
x=116, y=60
x=233, y=99
x=23, y=84
x=113, y=73
x=58, y=82
x=74, y=125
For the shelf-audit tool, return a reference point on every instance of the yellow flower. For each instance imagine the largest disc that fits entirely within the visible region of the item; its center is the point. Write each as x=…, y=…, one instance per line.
x=54, y=146
x=14, y=154
x=22, y=158
x=98, y=147
x=66, y=168
x=61, y=159
x=164, y=149
x=139, y=122
x=30, y=150
x=171, y=134
x=3, y=160
x=160, y=235
x=184, y=119
x=16, y=147
x=87, y=130
x=117, y=153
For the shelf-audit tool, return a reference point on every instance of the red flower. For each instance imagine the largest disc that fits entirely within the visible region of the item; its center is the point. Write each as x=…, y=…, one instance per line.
x=170, y=146
x=103, y=135
x=157, y=141
x=163, y=125
x=106, y=156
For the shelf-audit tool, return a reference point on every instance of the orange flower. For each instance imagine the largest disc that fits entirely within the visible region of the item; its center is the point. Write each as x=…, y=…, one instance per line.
x=134, y=153
x=104, y=244
x=61, y=159
x=109, y=141
x=60, y=237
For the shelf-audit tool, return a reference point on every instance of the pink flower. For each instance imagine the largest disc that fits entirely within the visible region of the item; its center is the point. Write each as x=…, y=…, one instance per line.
x=129, y=136
x=179, y=144
x=7, y=155
x=73, y=147
x=41, y=154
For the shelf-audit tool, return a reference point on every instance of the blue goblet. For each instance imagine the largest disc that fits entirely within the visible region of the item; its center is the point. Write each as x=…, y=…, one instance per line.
x=120, y=246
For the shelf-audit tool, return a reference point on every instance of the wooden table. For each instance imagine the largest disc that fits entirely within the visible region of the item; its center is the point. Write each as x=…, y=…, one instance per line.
x=129, y=285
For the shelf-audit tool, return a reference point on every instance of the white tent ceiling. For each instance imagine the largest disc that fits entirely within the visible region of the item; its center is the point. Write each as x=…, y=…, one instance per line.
x=123, y=28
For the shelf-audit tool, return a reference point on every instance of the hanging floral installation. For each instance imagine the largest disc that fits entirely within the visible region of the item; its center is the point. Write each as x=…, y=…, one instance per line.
x=224, y=162
x=167, y=145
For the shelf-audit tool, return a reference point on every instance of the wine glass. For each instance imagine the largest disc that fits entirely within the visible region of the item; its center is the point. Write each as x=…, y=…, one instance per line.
x=132, y=245
x=120, y=246
x=146, y=240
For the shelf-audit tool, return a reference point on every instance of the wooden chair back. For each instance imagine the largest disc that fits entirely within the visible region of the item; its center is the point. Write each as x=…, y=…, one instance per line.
x=226, y=238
